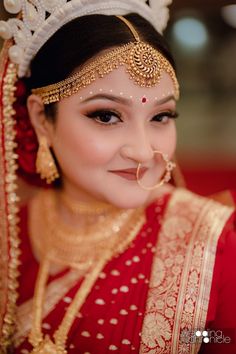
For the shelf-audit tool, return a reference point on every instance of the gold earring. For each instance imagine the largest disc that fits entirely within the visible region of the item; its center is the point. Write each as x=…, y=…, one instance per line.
x=45, y=164
x=167, y=175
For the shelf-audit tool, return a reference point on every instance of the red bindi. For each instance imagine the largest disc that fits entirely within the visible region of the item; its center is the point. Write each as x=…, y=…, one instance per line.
x=144, y=100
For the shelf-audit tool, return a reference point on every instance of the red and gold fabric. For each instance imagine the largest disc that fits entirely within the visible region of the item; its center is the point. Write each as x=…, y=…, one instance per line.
x=166, y=284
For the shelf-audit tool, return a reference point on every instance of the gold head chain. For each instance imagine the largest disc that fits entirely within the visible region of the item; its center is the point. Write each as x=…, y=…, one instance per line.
x=144, y=64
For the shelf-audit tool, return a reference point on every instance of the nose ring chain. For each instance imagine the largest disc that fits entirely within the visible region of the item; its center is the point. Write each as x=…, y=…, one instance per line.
x=169, y=166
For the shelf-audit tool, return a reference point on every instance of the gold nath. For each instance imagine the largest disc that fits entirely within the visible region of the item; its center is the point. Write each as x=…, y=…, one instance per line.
x=143, y=63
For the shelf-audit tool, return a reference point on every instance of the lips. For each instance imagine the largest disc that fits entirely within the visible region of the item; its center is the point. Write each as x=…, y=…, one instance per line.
x=130, y=173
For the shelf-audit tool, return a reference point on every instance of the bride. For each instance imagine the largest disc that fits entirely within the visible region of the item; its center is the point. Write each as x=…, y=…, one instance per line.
x=102, y=253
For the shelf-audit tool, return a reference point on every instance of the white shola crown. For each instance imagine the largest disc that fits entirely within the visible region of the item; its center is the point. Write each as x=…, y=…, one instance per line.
x=42, y=18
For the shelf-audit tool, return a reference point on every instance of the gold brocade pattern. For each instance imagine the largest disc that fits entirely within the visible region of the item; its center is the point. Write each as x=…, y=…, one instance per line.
x=3, y=217
x=182, y=273
x=8, y=204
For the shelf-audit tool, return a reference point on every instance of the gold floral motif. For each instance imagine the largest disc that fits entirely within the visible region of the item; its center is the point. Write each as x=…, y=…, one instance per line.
x=9, y=245
x=155, y=340
x=178, y=296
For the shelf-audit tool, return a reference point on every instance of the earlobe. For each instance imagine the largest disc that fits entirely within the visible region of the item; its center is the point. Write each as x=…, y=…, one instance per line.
x=37, y=116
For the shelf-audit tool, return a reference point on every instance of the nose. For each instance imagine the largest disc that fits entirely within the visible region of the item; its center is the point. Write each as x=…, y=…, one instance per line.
x=138, y=147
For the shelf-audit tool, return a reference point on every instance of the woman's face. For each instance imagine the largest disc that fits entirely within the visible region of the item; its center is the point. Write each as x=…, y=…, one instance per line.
x=102, y=133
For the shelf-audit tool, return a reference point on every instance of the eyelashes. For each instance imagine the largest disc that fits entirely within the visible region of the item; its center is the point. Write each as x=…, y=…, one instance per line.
x=110, y=117
x=165, y=116
x=106, y=117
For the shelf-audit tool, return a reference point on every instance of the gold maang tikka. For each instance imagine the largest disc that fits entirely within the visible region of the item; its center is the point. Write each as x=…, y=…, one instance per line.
x=144, y=64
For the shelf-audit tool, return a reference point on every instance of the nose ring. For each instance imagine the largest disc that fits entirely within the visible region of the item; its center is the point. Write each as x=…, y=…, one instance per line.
x=169, y=166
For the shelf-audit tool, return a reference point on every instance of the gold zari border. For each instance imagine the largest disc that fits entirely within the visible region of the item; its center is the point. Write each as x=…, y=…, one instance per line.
x=182, y=273
x=9, y=230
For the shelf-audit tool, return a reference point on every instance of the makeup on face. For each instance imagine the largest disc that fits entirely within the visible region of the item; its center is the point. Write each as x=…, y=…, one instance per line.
x=130, y=173
x=126, y=99
x=106, y=130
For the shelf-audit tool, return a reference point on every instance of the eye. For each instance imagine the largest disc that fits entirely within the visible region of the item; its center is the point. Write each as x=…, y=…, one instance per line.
x=164, y=117
x=105, y=117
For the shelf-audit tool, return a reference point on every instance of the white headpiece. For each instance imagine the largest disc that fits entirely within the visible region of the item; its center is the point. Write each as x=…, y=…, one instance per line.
x=42, y=18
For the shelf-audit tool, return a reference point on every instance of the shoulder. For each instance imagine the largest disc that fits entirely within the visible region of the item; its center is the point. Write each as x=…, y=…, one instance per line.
x=182, y=203
x=200, y=219
x=206, y=215
x=184, y=197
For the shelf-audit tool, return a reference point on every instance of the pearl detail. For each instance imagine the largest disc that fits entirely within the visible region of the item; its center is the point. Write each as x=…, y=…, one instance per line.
x=13, y=6
x=15, y=54
x=5, y=30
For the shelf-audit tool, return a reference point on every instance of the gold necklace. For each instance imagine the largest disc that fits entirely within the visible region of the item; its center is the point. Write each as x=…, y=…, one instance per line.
x=81, y=246
x=83, y=207
x=122, y=237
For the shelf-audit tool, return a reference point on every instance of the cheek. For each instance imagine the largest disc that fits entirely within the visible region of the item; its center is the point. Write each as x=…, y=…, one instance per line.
x=166, y=140
x=78, y=142
x=173, y=141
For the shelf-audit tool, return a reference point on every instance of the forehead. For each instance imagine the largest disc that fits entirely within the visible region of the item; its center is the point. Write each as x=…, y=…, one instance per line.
x=118, y=82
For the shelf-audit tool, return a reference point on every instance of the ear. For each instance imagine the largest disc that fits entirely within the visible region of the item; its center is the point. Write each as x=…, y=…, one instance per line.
x=42, y=126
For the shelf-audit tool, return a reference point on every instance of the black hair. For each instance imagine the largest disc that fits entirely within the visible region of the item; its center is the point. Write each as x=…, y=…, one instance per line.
x=83, y=38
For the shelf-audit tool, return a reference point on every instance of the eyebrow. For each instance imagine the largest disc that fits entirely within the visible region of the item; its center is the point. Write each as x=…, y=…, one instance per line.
x=124, y=100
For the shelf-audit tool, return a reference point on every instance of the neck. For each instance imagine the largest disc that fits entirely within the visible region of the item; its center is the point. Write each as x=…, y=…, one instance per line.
x=83, y=241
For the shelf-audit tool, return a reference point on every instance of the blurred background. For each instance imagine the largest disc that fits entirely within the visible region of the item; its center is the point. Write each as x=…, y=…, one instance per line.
x=202, y=36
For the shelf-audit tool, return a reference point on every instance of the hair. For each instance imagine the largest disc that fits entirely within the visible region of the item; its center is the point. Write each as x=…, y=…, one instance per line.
x=82, y=39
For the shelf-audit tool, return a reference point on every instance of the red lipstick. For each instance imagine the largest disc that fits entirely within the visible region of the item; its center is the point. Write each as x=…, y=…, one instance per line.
x=130, y=173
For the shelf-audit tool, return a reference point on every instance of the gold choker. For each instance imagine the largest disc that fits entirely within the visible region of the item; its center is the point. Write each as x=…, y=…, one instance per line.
x=144, y=64
x=86, y=208
x=79, y=245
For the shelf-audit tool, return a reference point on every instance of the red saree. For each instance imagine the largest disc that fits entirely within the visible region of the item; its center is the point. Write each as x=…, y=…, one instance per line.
x=113, y=313
x=175, y=278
